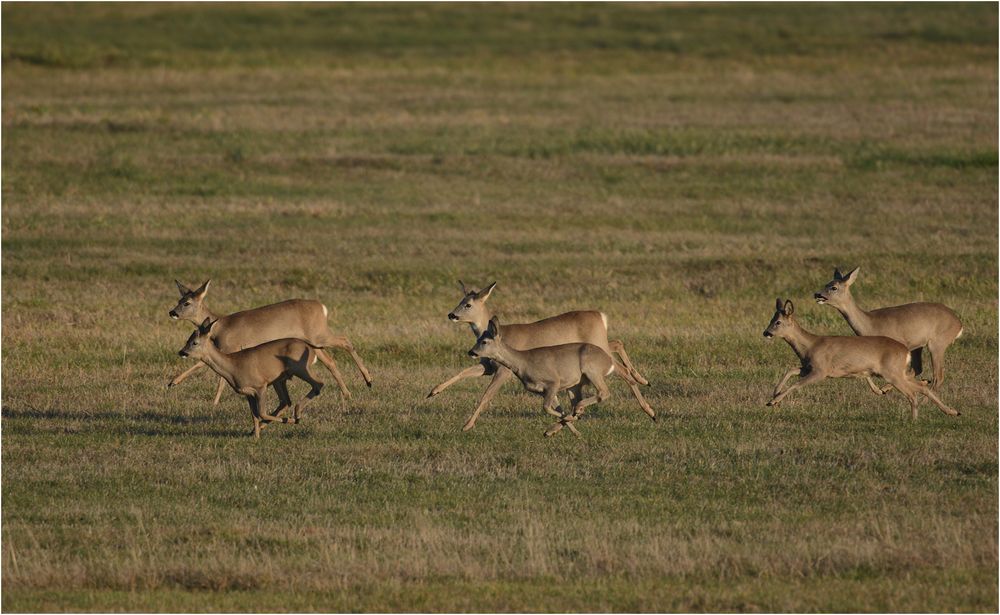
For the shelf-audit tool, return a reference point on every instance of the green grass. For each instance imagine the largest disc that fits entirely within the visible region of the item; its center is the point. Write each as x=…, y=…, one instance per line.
x=677, y=167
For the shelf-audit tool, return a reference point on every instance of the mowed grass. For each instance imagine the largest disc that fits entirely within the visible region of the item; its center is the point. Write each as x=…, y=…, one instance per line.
x=677, y=167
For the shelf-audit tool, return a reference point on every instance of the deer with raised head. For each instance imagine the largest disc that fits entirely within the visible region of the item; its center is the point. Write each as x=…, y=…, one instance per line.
x=828, y=356
x=249, y=372
x=297, y=318
x=571, y=327
x=548, y=370
x=915, y=325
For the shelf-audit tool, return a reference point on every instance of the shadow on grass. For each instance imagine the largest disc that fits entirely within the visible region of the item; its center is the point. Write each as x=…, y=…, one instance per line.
x=81, y=415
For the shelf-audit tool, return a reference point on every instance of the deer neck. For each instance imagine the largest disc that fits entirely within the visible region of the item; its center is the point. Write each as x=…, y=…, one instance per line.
x=220, y=363
x=858, y=319
x=800, y=340
x=480, y=325
x=514, y=360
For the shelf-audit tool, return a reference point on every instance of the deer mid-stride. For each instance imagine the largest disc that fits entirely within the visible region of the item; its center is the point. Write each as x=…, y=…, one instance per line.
x=294, y=319
x=548, y=370
x=571, y=327
x=828, y=356
x=915, y=325
x=249, y=372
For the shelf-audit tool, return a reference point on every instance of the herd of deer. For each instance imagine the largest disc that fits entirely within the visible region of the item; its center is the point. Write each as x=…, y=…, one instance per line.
x=269, y=345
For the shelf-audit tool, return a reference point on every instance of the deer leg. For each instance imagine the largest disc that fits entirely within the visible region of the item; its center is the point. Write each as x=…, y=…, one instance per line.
x=937, y=358
x=468, y=372
x=218, y=391
x=795, y=371
x=340, y=341
x=183, y=376
x=632, y=384
x=874, y=387
x=331, y=365
x=617, y=346
x=501, y=376
x=316, y=385
x=911, y=387
x=284, y=399
x=551, y=405
x=811, y=378
x=254, y=402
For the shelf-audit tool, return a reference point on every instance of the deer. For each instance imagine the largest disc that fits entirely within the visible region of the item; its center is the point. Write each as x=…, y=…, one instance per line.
x=549, y=370
x=915, y=325
x=296, y=318
x=832, y=356
x=570, y=327
x=250, y=371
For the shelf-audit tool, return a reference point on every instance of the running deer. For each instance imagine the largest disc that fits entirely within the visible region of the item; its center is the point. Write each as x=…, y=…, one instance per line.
x=915, y=325
x=297, y=318
x=249, y=372
x=548, y=370
x=586, y=326
x=827, y=356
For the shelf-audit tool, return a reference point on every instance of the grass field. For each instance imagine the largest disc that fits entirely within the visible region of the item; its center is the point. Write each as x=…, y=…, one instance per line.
x=675, y=166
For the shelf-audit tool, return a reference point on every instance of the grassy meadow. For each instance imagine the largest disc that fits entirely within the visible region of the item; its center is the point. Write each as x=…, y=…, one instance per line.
x=676, y=166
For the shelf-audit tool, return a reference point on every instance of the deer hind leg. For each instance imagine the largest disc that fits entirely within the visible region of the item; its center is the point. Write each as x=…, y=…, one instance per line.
x=633, y=385
x=550, y=404
x=618, y=347
x=340, y=341
x=937, y=359
x=302, y=372
x=875, y=388
x=911, y=387
x=501, y=376
x=811, y=378
x=468, y=372
x=331, y=365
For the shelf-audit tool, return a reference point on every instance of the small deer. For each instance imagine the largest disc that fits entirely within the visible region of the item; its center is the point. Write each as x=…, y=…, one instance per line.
x=827, y=356
x=915, y=325
x=249, y=372
x=580, y=326
x=551, y=369
x=297, y=318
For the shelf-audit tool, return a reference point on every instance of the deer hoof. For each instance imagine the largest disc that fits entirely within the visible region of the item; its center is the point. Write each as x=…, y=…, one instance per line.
x=468, y=426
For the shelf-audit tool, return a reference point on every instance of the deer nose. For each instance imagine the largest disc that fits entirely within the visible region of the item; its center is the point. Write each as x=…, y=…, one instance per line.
x=819, y=296
x=768, y=334
x=182, y=353
x=472, y=353
x=451, y=316
x=173, y=314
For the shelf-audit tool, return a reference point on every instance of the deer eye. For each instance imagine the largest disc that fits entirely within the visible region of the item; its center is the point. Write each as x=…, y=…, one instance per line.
x=468, y=305
x=833, y=288
x=187, y=303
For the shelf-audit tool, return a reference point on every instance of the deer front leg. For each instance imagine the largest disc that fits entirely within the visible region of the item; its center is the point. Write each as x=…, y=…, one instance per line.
x=501, y=376
x=468, y=372
x=254, y=402
x=218, y=391
x=795, y=371
x=183, y=376
x=550, y=404
x=811, y=378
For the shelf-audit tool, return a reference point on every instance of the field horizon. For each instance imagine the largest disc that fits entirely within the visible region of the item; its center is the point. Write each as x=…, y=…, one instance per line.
x=677, y=167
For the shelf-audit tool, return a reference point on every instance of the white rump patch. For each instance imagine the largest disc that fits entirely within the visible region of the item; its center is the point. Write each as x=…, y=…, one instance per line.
x=909, y=357
x=604, y=317
x=315, y=358
x=611, y=370
x=960, y=332
x=326, y=312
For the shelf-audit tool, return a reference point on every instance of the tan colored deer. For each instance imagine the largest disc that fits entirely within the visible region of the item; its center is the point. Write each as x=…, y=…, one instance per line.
x=548, y=370
x=915, y=325
x=827, y=356
x=583, y=326
x=297, y=318
x=249, y=372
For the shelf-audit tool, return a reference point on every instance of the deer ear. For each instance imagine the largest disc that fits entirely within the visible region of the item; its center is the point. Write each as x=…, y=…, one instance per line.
x=837, y=275
x=183, y=289
x=852, y=276
x=203, y=288
x=494, y=326
x=778, y=304
x=206, y=325
x=461, y=284
x=484, y=294
x=789, y=309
